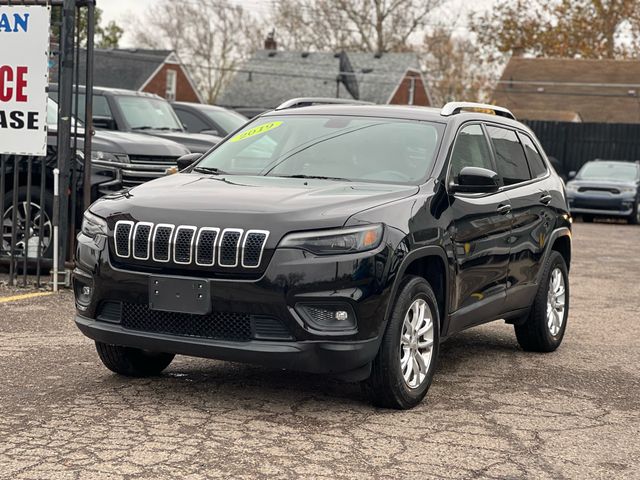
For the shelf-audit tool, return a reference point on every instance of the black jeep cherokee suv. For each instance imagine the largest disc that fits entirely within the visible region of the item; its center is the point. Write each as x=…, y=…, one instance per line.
x=342, y=239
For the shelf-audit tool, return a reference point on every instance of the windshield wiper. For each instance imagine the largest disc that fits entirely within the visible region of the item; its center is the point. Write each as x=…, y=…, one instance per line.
x=317, y=177
x=211, y=170
x=145, y=127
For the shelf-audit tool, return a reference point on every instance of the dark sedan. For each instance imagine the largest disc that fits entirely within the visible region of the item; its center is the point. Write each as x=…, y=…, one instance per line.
x=605, y=189
x=208, y=119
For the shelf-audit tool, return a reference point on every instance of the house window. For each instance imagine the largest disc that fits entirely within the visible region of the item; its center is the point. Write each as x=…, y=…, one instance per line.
x=172, y=84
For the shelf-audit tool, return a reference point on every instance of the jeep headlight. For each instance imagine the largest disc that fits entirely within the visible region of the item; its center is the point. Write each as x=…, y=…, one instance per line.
x=628, y=190
x=93, y=225
x=99, y=156
x=335, y=242
x=571, y=187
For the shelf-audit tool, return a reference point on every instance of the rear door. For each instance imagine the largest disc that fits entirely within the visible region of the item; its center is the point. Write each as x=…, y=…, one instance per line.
x=523, y=172
x=480, y=230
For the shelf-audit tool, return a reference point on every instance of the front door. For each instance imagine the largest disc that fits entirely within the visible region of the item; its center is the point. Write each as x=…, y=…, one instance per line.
x=480, y=230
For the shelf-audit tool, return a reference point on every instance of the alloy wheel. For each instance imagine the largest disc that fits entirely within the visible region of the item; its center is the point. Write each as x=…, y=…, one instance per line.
x=556, y=301
x=24, y=233
x=416, y=343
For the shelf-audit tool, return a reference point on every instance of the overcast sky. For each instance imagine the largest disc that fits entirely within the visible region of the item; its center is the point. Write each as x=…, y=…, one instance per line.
x=122, y=10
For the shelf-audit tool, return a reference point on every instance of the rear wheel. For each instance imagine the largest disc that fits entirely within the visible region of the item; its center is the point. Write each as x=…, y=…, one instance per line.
x=132, y=362
x=403, y=369
x=544, y=328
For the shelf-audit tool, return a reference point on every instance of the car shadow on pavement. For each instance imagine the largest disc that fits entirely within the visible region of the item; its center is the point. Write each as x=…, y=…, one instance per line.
x=231, y=385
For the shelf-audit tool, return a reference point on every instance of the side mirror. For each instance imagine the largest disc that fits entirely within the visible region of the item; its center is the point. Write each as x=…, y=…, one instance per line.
x=187, y=160
x=104, y=122
x=572, y=175
x=476, y=180
x=212, y=131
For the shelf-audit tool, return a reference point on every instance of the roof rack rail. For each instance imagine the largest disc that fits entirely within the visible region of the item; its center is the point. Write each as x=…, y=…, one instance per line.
x=308, y=101
x=452, y=108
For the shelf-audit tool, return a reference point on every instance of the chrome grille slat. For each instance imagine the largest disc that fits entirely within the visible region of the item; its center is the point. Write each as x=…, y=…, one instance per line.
x=122, y=238
x=229, y=245
x=142, y=240
x=183, y=244
x=252, y=248
x=162, y=242
x=189, y=245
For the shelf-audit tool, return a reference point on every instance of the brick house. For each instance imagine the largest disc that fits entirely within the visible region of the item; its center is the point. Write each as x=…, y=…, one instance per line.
x=153, y=71
x=271, y=76
x=568, y=89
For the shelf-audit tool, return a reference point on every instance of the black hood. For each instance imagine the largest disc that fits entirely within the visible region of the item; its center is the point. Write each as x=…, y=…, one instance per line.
x=279, y=205
x=136, y=144
x=195, y=142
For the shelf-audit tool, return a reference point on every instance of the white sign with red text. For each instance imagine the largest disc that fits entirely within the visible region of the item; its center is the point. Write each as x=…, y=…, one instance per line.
x=24, y=57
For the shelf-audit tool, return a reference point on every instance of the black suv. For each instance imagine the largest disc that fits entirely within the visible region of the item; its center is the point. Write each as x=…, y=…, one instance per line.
x=342, y=239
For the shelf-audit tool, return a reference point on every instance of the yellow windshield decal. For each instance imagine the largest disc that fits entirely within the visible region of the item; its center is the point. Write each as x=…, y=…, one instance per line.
x=255, y=131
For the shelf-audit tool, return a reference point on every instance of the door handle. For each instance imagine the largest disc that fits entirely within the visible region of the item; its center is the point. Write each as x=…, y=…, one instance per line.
x=504, y=209
x=546, y=198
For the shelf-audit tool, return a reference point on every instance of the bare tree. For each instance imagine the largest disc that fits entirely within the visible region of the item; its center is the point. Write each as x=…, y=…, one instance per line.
x=363, y=25
x=211, y=36
x=454, y=67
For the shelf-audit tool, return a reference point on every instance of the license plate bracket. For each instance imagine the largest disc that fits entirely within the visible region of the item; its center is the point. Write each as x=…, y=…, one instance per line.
x=180, y=295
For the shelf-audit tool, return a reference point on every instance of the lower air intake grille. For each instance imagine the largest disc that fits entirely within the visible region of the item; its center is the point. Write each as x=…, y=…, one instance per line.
x=216, y=325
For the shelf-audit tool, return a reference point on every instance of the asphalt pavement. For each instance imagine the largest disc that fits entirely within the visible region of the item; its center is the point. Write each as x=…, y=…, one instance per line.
x=493, y=411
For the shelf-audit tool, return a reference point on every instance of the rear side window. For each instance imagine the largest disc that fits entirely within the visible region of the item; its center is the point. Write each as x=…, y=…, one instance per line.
x=191, y=121
x=510, y=160
x=536, y=163
x=471, y=150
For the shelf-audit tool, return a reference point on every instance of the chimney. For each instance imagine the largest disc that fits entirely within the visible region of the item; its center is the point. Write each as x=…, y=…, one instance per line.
x=517, y=51
x=270, y=42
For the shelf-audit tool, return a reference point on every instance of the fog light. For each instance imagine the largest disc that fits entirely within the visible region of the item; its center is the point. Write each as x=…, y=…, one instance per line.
x=328, y=317
x=83, y=292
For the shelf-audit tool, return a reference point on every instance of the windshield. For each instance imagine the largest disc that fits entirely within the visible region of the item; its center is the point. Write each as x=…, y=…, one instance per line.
x=147, y=113
x=228, y=120
x=336, y=147
x=52, y=116
x=609, y=171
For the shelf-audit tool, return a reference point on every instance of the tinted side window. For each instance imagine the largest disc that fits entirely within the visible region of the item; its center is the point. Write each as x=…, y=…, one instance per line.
x=471, y=150
x=192, y=122
x=510, y=160
x=536, y=163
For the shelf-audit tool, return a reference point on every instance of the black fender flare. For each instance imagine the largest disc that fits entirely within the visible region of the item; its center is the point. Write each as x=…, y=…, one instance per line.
x=555, y=234
x=418, y=253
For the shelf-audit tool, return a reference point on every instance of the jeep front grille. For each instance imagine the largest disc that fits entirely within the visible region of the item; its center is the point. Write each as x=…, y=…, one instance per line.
x=190, y=245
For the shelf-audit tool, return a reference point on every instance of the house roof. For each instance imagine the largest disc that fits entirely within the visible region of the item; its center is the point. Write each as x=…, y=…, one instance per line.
x=604, y=91
x=271, y=77
x=128, y=69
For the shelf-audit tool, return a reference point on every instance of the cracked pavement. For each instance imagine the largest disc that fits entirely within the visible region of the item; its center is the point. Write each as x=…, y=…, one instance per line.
x=493, y=411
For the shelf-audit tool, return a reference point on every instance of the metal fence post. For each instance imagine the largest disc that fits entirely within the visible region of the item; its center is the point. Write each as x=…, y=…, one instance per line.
x=56, y=222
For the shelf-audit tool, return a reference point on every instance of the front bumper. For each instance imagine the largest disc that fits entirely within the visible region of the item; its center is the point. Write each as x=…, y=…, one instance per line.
x=605, y=205
x=306, y=356
x=292, y=280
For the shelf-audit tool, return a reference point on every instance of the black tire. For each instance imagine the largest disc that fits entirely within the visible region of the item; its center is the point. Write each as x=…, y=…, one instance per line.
x=47, y=253
x=133, y=362
x=634, y=219
x=534, y=334
x=386, y=386
x=587, y=218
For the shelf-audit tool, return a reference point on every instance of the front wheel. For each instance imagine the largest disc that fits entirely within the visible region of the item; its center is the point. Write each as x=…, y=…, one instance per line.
x=132, y=362
x=544, y=327
x=634, y=219
x=403, y=369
